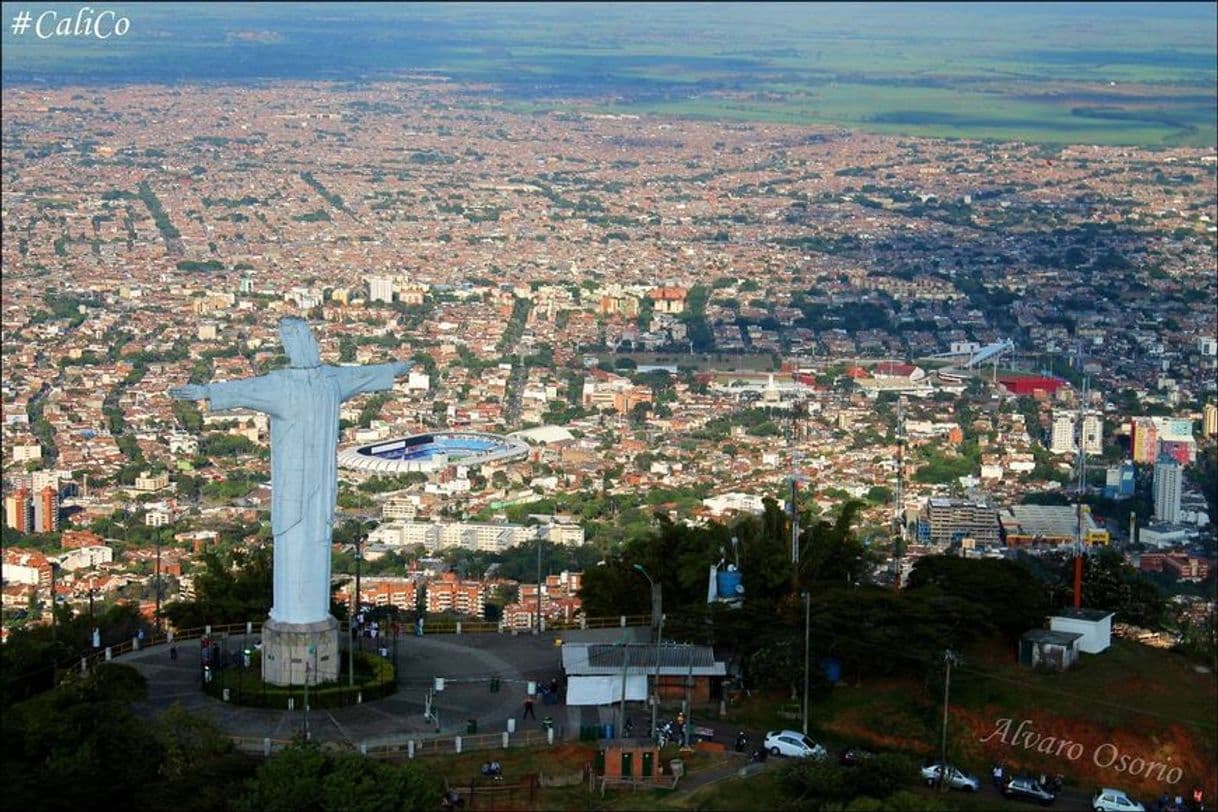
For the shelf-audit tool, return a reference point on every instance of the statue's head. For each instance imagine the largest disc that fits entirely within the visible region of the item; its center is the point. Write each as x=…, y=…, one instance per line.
x=299, y=344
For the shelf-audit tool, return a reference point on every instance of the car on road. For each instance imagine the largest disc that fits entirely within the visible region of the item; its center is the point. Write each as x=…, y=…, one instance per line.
x=932, y=774
x=792, y=743
x=1028, y=789
x=855, y=755
x=1115, y=800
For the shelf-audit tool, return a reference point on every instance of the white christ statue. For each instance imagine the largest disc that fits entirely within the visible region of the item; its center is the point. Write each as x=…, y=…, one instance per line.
x=303, y=402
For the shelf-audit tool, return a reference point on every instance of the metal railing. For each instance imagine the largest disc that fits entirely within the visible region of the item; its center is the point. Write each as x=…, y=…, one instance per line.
x=88, y=661
x=412, y=747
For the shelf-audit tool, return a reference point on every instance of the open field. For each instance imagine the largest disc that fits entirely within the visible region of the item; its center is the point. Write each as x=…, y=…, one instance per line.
x=1061, y=73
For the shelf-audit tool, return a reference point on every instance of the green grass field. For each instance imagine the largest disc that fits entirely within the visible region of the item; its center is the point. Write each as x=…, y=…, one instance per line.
x=1098, y=73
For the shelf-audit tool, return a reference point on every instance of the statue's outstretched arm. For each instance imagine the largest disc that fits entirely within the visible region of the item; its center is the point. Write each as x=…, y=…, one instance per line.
x=372, y=378
x=264, y=394
x=191, y=391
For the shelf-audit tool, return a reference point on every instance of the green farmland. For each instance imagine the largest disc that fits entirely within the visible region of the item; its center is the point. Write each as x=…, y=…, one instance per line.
x=1103, y=73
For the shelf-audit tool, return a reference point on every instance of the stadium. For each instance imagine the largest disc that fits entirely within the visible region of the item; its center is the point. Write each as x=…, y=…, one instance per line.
x=432, y=452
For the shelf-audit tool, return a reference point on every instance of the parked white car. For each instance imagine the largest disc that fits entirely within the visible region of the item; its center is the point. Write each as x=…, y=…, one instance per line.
x=792, y=743
x=956, y=778
x=1115, y=800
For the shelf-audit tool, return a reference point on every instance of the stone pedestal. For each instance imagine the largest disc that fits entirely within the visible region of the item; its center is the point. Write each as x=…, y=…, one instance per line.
x=288, y=647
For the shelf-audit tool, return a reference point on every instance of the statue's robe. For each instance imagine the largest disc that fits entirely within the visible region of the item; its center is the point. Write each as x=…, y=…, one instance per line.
x=303, y=404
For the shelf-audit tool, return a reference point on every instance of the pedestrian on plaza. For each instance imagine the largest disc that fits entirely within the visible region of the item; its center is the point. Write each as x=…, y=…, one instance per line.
x=173, y=653
x=998, y=775
x=528, y=708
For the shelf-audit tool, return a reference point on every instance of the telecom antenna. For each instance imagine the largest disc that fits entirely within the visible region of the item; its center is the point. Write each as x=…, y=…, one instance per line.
x=796, y=477
x=1079, y=490
x=898, y=496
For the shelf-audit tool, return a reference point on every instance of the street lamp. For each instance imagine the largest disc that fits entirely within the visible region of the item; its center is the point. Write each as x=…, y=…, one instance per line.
x=537, y=629
x=807, y=617
x=158, y=580
x=352, y=638
x=657, y=626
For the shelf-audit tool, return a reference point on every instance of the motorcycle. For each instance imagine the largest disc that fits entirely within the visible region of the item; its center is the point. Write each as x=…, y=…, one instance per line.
x=742, y=741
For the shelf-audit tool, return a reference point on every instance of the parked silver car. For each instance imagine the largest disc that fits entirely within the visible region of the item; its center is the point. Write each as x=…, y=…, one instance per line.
x=1115, y=800
x=932, y=774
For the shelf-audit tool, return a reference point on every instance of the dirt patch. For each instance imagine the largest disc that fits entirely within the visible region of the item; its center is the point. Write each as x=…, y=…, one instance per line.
x=1148, y=761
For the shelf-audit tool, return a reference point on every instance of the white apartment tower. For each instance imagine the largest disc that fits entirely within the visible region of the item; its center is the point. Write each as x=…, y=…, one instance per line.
x=1167, y=490
x=1093, y=433
x=1061, y=440
x=380, y=289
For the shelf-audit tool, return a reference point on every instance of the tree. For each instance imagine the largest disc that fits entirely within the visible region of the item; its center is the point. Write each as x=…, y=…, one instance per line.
x=79, y=745
x=303, y=778
x=1012, y=597
x=1111, y=584
x=235, y=586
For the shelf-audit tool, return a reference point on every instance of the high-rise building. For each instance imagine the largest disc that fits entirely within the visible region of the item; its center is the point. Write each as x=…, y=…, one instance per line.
x=44, y=479
x=19, y=510
x=1144, y=440
x=950, y=520
x=1210, y=424
x=46, y=511
x=1119, y=483
x=380, y=289
x=1093, y=434
x=1167, y=490
x=1154, y=436
x=1061, y=440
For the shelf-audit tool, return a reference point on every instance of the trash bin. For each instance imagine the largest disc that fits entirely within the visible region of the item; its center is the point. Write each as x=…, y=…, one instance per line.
x=511, y=724
x=471, y=726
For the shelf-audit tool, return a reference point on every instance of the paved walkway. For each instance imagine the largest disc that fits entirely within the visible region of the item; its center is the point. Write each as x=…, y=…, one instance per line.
x=467, y=662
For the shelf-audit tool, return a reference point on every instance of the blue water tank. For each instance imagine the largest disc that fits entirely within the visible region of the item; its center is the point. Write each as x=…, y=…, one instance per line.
x=729, y=584
x=832, y=668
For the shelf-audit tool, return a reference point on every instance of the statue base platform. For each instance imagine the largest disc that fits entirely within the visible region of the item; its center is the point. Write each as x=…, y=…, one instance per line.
x=294, y=652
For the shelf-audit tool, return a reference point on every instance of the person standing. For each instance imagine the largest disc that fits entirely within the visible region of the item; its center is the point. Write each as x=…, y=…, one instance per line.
x=528, y=708
x=998, y=775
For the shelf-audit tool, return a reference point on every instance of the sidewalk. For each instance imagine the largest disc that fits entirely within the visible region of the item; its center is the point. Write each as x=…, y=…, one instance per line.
x=467, y=663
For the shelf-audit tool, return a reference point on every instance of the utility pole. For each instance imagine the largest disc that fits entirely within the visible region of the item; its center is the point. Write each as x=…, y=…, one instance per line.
x=538, y=627
x=657, y=627
x=359, y=534
x=54, y=629
x=621, y=709
x=689, y=698
x=359, y=558
x=949, y=659
x=898, y=496
x=807, y=648
x=306, y=701
x=158, y=581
